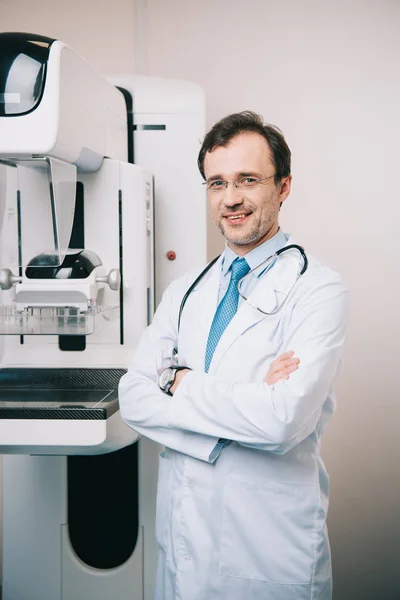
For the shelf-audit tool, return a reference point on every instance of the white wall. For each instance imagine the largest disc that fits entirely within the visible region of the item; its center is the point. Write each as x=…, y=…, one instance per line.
x=326, y=73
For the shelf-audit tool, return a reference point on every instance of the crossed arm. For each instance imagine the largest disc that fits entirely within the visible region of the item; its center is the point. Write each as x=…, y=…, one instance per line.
x=279, y=370
x=273, y=415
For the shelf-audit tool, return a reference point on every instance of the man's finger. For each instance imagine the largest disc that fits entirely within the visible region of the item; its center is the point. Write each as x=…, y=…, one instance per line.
x=282, y=374
x=291, y=368
x=286, y=363
x=278, y=368
x=283, y=359
x=285, y=355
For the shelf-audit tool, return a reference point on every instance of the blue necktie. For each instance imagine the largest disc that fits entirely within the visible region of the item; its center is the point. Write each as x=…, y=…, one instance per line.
x=226, y=308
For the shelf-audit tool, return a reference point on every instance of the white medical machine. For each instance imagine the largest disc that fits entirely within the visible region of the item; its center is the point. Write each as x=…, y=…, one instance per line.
x=85, y=254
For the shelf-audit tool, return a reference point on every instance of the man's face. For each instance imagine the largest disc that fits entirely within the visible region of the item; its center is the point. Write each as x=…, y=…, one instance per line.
x=245, y=217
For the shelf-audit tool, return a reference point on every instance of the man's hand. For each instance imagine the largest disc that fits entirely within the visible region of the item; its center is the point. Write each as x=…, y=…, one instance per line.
x=281, y=368
x=178, y=378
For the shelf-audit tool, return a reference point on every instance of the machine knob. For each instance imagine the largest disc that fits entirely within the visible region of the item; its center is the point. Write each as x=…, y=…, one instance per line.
x=113, y=279
x=8, y=279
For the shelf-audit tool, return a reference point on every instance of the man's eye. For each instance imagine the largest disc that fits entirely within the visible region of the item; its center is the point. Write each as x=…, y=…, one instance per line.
x=248, y=181
x=216, y=184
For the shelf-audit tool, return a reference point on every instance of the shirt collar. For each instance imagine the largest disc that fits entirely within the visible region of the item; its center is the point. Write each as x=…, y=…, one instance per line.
x=256, y=256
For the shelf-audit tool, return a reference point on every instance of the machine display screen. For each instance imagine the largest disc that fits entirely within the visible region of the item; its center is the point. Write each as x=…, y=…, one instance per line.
x=23, y=60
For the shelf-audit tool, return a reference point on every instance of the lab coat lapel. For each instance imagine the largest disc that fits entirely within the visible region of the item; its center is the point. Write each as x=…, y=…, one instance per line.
x=270, y=291
x=197, y=316
x=207, y=300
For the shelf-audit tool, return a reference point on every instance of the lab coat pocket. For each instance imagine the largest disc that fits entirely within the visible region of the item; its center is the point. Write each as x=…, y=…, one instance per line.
x=163, y=508
x=268, y=531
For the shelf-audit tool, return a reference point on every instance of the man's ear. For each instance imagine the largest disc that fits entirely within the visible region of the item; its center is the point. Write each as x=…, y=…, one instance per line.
x=285, y=187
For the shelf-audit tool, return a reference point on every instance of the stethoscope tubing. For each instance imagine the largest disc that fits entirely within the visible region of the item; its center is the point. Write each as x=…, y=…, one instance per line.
x=195, y=282
x=212, y=263
x=295, y=247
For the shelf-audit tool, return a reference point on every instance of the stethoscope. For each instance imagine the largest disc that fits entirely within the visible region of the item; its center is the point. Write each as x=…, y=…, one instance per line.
x=269, y=263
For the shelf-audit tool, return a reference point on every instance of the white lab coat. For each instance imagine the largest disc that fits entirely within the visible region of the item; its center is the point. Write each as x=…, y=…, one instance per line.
x=248, y=524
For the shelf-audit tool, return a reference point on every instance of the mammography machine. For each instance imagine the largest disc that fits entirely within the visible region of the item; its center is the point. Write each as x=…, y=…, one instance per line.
x=85, y=254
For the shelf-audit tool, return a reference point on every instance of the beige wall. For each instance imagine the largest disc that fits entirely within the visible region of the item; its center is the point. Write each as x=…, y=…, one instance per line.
x=326, y=73
x=101, y=31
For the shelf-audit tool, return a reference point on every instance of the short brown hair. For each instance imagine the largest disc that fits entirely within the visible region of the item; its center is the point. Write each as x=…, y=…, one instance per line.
x=247, y=121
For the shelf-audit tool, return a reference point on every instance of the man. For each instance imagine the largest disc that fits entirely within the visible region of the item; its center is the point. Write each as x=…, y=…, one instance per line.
x=242, y=491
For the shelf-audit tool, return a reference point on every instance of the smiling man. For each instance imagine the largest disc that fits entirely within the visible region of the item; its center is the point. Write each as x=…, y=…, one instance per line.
x=242, y=492
x=250, y=217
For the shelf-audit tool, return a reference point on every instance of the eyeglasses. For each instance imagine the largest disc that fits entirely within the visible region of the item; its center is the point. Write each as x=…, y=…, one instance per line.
x=243, y=183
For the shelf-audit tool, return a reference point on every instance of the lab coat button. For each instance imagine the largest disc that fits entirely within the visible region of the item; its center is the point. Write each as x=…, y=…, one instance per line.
x=191, y=486
x=186, y=557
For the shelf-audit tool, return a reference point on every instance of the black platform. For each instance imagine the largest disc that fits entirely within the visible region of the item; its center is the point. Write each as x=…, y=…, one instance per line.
x=83, y=394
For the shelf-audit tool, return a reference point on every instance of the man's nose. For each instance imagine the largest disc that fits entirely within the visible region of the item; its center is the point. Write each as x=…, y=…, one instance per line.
x=231, y=195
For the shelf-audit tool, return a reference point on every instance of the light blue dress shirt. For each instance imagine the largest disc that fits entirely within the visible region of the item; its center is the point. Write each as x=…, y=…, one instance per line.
x=254, y=258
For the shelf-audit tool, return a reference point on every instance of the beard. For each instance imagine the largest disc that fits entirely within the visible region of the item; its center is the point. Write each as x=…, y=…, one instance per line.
x=250, y=233
x=241, y=238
